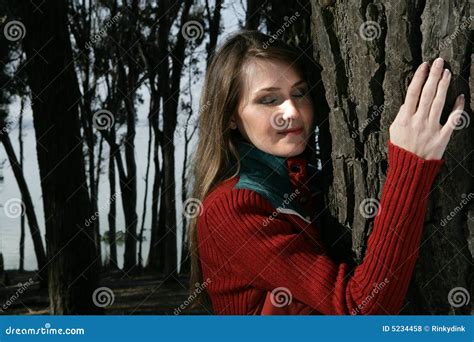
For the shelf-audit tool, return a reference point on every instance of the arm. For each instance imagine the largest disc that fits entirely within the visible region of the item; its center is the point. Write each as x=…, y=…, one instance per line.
x=275, y=255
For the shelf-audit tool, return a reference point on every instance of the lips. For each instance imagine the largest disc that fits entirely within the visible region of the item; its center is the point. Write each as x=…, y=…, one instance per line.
x=293, y=131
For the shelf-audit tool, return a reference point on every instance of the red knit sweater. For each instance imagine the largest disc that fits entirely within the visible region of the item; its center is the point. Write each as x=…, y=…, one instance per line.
x=257, y=265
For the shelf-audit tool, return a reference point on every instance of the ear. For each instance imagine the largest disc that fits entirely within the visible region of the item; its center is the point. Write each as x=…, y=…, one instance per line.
x=233, y=125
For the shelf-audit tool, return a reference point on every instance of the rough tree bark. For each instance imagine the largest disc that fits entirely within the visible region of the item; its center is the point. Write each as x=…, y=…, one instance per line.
x=368, y=51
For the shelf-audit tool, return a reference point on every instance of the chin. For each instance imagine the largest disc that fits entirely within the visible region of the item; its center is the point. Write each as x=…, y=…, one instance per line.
x=291, y=150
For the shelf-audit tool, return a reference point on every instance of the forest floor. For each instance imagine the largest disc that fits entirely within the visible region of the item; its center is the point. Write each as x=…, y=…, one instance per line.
x=142, y=294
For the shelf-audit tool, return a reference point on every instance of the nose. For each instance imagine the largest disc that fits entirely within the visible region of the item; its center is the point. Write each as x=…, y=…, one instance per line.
x=290, y=111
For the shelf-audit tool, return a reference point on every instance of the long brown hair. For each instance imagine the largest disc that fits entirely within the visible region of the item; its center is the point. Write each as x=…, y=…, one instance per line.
x=216, y=157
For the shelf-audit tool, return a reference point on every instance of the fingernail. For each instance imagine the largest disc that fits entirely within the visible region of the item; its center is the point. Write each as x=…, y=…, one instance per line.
x=447, y=73
x=438, y=61
x=423, y=66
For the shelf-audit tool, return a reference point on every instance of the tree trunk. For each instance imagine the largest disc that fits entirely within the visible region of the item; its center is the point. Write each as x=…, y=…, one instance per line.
x=28, y=205
x=252, y=14
x=20, y=165
x=153, y=253
x=368, y=51
x=128, y=182
x=145, y=197
x=112, y=262
x=214, y=20
x=71, y=251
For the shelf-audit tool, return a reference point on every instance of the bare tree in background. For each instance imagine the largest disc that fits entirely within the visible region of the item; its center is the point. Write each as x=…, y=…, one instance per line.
x=9, y=86
x=163, y=239
x=71, y=250
x=80, y=24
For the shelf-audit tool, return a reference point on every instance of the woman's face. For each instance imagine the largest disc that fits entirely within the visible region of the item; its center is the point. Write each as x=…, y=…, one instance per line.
x=275, y=112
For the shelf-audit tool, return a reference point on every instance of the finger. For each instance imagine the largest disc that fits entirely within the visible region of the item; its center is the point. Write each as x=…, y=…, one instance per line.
x=452, y=122
x=440, y=97
x=414, y=89
x=429, y=89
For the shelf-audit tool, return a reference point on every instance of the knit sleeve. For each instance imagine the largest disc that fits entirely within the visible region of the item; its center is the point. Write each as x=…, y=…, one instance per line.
x=271, y=253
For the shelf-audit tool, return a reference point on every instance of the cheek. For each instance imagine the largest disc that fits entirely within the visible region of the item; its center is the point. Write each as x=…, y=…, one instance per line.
x=308, y=116
x=260, y=120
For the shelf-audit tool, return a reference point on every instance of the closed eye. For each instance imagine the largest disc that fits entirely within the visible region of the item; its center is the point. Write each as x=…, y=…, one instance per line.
x=268, y=100
x=300, y=93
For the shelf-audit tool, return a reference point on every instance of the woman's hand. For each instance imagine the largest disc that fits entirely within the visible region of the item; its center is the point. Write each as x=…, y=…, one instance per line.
x=416, y=127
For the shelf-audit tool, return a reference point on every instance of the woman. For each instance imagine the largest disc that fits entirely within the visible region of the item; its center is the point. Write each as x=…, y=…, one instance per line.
x=255, y=245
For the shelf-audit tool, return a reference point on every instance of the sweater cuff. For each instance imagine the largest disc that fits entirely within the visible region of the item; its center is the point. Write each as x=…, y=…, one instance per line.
x=398, y=156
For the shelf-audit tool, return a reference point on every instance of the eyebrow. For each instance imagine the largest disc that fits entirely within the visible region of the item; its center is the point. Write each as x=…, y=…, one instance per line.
x=277, y=88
